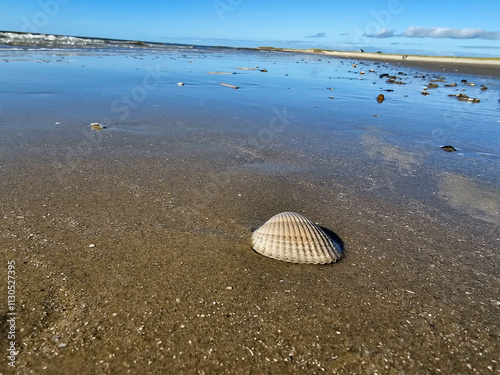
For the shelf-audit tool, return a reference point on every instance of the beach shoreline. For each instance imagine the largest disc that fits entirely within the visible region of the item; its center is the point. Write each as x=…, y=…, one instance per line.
x=462, y=64
x=466, y=65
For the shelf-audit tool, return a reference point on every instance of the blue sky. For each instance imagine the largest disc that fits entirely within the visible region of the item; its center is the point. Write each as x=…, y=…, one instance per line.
x=411, y=26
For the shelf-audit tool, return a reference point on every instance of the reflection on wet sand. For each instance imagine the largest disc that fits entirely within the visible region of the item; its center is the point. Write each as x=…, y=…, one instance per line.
x=405, y=160
x=466, y=194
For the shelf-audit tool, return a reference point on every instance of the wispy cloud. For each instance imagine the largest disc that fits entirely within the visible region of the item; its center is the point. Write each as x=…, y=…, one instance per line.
x=442, y=32
x=383, y=33
x=318, y=35
x=438, y=32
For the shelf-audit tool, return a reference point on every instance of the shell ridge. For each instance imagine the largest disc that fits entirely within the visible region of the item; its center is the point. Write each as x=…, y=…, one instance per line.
x=298, y=240
x=303, y=241
x=317, y=241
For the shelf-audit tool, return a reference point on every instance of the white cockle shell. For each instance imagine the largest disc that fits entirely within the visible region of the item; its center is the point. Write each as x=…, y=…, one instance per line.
x=291, y=237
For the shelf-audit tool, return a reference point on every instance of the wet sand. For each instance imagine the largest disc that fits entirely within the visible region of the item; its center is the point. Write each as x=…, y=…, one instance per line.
x=172, y=284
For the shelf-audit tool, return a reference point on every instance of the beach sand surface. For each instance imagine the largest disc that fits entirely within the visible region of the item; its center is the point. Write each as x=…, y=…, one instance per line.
x=133, y=254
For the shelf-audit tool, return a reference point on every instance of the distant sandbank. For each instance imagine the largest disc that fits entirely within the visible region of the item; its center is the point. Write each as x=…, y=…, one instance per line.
x=474, y=65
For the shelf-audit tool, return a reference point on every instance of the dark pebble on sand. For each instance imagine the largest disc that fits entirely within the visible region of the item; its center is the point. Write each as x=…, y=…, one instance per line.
x=449, y=148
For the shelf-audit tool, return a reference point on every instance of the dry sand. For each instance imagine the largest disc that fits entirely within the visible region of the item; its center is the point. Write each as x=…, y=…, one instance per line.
x=465, y=65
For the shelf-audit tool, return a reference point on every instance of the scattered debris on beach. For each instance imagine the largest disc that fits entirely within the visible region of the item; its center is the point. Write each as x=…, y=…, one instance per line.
x=180, y=83
x=228, y=85
x=255, y=68
x=432, y=86
x=220, y=73
x=380, y=98
x=394, y=81
x=451, y=85
x=465, y=98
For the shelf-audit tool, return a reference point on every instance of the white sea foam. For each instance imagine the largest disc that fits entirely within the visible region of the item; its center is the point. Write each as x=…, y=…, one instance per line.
x=63, y=41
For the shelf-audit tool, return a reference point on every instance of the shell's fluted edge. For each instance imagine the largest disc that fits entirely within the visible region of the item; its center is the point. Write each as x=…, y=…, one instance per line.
x=291, y=237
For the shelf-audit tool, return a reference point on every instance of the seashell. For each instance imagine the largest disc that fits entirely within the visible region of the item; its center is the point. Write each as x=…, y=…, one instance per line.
x=291, y=237
x=96, y=126
x=220, y=73
x=228, y=85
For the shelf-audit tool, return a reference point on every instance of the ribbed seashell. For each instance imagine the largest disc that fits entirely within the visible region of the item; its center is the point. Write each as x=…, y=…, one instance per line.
x=291, y=237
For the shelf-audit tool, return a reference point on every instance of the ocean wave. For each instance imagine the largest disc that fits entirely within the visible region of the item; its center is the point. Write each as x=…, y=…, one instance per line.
x=19, y=39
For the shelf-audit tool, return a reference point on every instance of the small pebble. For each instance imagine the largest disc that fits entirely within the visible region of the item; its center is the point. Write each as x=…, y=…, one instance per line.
x=449, y=148
x=92, y=245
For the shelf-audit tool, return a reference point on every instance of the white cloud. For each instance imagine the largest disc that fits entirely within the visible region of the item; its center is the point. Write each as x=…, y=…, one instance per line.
x=383, y=33
x=442, y=32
